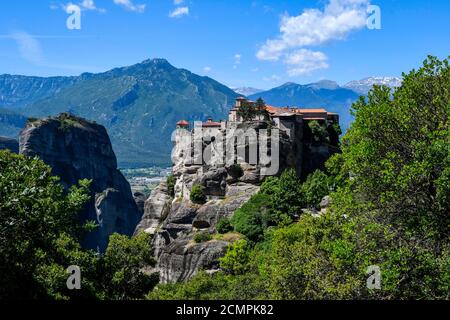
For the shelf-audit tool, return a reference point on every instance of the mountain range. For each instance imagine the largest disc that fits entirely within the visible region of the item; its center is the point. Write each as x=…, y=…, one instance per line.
x=363, y=86
x=140, y=104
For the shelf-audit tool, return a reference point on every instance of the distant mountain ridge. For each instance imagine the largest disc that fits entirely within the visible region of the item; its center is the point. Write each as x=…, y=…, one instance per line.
x=363, y=86
x=139, y=104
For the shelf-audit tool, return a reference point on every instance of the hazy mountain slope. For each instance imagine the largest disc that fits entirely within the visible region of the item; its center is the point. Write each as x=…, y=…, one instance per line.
x=20, y=91
x=323, y=94
x=140, y=105
x=11, y=123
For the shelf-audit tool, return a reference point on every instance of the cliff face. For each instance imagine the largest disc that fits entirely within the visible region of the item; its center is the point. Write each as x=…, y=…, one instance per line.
x=175, y=221
x=9, y=144
x=78, y=149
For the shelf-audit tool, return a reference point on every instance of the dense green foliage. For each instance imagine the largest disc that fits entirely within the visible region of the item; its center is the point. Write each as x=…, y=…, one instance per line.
x=249, y=111
x=315, y=188
x=37, y=221
x=390, y=208
x=254, y=217
x=171, y=181
x=39, y=240
x=236, y=260
x=197, y=194
x=224, y=226
x=121, y=267
x=319, y=132
x=201, y=237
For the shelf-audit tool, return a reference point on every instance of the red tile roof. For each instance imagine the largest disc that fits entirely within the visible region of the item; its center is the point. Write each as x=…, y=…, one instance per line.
x=182, y=123
x=211, y=124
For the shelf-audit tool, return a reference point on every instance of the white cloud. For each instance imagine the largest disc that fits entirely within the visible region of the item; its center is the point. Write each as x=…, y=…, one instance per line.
x=90, y=5
x=130, y=6
x=304, y=62
x=313, y=27
x=29, y=48
x=207, y=69
x=177, y=2
x=179, y=12
x=237, y=60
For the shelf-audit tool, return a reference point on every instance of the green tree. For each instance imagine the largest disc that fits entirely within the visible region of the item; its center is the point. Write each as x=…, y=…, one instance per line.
x=171, y=181
x=261, y=110
x=247, y=111
x=224, y=226
x=38, y=222
x=198, y=194
x=253, y=217
x=236, y=261
x=288, y=198
x=122, y=267
x=315, y=188
x=318, y=131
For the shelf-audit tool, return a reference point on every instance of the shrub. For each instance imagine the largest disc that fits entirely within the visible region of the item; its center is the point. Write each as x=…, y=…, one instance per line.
x=315, y=188
x=171, y=181
x=224, y=226
x=236, y=261
x=197, y=194
x=201, y=237
x=319, y=132
x=253, y=217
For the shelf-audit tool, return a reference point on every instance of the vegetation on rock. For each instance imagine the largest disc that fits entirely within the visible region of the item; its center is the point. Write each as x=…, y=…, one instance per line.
x=390, y=209
x=197, y=194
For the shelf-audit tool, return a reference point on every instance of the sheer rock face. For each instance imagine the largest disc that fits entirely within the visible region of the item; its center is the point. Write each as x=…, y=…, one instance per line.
x=156, y=209
x=77, y=149
x=174, y=222
x=9, y=144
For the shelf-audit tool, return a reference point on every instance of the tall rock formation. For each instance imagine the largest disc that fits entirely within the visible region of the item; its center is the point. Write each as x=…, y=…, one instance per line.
x=78, y=149
x=174, y=221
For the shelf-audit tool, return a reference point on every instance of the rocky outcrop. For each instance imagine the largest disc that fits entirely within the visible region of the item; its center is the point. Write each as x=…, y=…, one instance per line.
x=179, y=258
x=140, y=199
x=174, y=222
x=77, y=149
x=182, y=259
x=156, y=209
x=9, y=144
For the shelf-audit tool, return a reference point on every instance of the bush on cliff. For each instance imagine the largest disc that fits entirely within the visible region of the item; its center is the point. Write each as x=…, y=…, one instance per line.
x=171, y=181
x=253, y=217
x=224, y=226
x=201, y=237
x=197, y=194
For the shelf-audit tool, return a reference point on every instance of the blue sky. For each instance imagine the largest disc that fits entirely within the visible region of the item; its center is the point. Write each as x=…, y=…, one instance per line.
x=257, y=43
